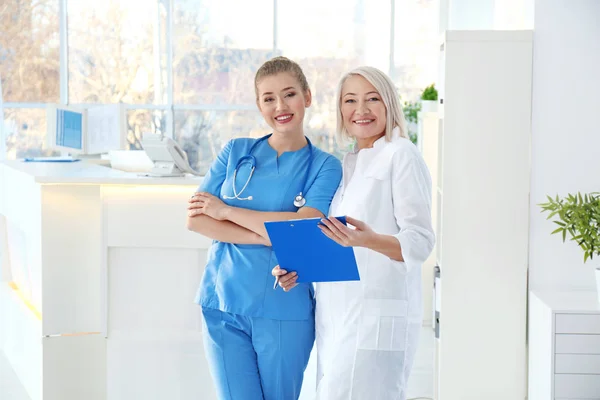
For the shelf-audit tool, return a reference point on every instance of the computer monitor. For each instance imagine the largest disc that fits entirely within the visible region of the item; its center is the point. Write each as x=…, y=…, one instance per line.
x=87, y=131
x=66, y=129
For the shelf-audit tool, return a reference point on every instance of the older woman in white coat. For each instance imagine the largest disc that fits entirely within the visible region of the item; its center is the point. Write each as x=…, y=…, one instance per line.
x=367, y=331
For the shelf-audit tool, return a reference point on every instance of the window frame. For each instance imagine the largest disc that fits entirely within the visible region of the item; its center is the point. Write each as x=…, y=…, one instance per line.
x=169, y=107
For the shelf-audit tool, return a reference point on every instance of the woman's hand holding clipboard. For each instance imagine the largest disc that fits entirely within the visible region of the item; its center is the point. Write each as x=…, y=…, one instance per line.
x=302, y=247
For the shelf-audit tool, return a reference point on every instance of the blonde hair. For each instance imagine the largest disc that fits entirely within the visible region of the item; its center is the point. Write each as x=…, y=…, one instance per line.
x=279, y=65
x=391, y=100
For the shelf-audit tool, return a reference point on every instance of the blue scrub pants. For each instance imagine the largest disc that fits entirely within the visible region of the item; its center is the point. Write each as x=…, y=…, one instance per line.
x=256, y=358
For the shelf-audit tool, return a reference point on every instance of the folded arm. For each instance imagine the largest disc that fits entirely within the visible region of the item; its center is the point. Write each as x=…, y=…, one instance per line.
x=207, y=205
x=255, y=220
x=234, y=224
x=224, y=231
x=318, y=199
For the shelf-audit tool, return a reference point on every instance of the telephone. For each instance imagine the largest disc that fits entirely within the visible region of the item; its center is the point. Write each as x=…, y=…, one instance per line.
x=168, y=157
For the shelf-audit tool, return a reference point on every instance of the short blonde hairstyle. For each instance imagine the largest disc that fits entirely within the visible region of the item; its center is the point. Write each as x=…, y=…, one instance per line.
x=278, y=65
x=386, y=89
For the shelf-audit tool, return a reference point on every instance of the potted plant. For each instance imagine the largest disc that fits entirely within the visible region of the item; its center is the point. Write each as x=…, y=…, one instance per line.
x=579, y=216
x=429, y=99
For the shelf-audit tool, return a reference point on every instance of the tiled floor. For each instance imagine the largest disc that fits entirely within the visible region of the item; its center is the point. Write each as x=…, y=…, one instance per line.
x=421, y=383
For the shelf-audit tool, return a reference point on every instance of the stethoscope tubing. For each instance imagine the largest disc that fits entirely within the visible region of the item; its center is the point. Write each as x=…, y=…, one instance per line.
x=299, y=199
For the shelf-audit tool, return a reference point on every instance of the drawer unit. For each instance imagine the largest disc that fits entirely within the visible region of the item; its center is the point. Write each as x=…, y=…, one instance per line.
x=564, y=346
x=577, y=344
x=577, y=364
x=578, y=323
x=569, y=386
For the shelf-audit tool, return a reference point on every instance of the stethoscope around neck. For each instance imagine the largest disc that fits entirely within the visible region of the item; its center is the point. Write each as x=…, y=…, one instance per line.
x=299, y=200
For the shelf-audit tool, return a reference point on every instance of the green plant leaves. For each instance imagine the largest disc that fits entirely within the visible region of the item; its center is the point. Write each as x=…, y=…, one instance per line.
x=411, y=111
x=430, y=93
x=579, y=216
x=411, y=115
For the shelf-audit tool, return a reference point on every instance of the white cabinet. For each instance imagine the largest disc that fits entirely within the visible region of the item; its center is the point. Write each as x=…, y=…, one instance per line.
x=482, y=213
x=564, y=346
x=103, y=273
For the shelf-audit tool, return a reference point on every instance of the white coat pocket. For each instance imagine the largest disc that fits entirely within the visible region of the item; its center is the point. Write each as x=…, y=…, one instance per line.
x=382, y=325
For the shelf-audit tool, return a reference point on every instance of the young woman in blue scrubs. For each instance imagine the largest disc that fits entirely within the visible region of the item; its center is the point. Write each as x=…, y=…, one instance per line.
x=258, y=340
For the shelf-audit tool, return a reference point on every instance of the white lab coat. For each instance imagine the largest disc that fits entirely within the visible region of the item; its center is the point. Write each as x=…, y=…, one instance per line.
x=367, y=331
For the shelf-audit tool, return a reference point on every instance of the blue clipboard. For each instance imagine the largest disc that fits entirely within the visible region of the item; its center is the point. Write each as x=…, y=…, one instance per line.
x=300, y=246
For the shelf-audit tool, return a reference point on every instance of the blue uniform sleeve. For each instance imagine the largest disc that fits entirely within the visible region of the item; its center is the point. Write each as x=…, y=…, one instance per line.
x=214, y=178
x=321, y=192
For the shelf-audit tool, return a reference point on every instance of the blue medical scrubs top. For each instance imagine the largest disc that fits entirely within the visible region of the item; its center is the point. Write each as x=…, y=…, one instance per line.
x=237, y=278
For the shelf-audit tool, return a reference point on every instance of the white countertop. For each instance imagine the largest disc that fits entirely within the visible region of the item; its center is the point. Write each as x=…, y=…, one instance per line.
x=82, y=172
x=572, y=301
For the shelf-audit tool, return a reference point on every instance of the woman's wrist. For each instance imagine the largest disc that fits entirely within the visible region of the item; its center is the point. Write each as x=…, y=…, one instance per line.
x=225, y=213
x=372, y=241
x=387, y=245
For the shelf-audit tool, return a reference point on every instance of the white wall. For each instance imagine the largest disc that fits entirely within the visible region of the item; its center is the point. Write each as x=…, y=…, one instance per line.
x=566, y=131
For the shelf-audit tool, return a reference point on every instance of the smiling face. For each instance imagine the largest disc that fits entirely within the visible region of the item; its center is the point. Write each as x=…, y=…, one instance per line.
x=282, y=103
x=363, y=111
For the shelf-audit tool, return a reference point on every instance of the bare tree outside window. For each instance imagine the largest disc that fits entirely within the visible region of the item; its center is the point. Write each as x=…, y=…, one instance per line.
x=29, y=51
x=118, y=51
x=29, y=69
x=215, y=56
x=114, y=57
x=143, y=121
x=25, y=130
x=111, y=52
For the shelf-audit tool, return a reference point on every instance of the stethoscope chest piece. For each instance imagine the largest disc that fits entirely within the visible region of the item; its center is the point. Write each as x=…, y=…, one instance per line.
x=299, y=201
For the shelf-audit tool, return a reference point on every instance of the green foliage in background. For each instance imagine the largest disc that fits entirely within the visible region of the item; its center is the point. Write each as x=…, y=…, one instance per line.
x=580, y=217
x=430, y=93
x=411, y=111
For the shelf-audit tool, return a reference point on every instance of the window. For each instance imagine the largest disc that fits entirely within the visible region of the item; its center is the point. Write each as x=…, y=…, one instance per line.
x=328, y=38
x=29, y=51
x=25, y=130
x=416, y=47
x=215, y=55
x=114, y=52
x=185, y=68
x=140, y=121
x=346, y=33
x=218, y=45
x=202, y=134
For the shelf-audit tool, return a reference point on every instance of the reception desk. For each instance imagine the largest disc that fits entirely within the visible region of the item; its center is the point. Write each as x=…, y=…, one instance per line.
x=98, y=275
